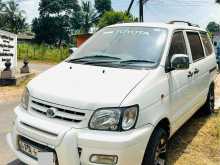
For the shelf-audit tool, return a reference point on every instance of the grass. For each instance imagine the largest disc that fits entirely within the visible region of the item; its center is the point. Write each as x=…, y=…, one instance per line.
x=42, y=52
x=197, y=142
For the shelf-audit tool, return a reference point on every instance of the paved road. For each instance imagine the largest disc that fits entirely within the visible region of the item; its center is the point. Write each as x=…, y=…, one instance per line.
x=6, y=118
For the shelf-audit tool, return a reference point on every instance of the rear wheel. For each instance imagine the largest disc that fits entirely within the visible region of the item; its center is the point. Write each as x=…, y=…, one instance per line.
x=209, y=106
x=156, y=151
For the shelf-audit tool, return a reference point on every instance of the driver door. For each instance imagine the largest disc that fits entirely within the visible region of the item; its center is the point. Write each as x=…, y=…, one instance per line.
x=180, y=82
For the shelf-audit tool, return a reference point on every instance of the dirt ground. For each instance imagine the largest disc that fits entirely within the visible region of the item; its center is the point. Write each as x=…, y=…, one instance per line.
x=196, y=143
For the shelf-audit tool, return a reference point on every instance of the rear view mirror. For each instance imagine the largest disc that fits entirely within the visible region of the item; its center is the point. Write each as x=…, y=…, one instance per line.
x=180, y=62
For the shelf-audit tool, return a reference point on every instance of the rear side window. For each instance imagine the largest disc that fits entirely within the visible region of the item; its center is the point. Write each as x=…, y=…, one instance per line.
x=178, y=45
x=195, y=45
x=207, y=43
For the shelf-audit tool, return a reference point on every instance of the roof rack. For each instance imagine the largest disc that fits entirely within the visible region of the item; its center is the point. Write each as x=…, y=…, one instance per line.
x=188, y=23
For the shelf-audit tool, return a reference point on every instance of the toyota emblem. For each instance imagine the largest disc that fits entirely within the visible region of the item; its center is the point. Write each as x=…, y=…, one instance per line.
x=51, y=112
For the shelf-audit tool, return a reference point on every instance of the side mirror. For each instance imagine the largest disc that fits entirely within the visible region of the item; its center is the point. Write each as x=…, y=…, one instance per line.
x=180, y=62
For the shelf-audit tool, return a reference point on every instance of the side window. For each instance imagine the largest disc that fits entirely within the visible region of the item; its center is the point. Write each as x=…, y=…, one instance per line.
x=178, y=45
x=195, y=45
x=207, y=43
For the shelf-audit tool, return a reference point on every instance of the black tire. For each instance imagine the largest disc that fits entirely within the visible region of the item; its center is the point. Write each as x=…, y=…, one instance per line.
x=209, y=106
x=158, y=139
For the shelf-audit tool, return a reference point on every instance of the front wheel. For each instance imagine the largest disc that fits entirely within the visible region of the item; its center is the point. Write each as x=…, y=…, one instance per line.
x=156, y=151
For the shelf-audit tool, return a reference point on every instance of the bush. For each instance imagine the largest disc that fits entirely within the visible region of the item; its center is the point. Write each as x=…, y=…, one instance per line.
x=113, y=17
x=42, y=52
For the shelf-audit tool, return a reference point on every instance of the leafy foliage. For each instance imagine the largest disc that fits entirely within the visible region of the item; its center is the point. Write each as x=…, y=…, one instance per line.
x=213, y=27
x=88, y=16
x=113, y=17
x=103, y=5
x=57, y=22
x=50, y=29
x=57, y=6
x=12, y=18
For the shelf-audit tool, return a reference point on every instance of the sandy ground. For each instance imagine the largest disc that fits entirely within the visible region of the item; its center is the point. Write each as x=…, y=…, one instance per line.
x=9, y=98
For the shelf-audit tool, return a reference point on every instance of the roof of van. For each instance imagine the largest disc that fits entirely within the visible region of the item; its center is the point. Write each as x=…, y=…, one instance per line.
x=170, y=26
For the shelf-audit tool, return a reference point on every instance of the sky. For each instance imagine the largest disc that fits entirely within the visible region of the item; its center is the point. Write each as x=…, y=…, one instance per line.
x=196, y=11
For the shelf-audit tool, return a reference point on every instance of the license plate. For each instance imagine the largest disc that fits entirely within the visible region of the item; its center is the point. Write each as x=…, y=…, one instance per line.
x=36, y=153
x=28, y=149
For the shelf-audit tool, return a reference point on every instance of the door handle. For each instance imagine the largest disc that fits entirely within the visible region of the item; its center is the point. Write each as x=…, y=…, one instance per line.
x=190, y=74
x=196, y=71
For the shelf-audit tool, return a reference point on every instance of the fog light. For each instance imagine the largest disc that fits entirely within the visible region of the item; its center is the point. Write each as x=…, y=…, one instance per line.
x=104, y=159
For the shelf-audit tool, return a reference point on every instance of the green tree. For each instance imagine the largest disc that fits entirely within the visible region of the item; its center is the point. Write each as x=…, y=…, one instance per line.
x=58, y=6
x=50, y=30
x=12, y=18
x=88, y=16
x=103, y=5
x=113, y=17
x=213, y=27
x=57, y=22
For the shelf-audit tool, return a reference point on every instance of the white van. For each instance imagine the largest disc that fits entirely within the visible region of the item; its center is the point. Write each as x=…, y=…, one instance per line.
x=119, y=98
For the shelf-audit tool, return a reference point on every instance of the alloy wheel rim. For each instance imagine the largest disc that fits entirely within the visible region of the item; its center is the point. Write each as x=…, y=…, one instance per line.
x=160, y=155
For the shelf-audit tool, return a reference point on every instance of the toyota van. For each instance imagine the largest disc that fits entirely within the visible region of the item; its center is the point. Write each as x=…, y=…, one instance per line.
x=119, y=98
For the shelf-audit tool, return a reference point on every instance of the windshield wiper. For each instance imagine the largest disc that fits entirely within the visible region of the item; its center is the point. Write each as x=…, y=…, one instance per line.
x=136, y=61
x=84, y=59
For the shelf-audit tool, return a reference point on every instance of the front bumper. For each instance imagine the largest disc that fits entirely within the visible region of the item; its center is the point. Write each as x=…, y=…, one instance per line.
x=128, y=146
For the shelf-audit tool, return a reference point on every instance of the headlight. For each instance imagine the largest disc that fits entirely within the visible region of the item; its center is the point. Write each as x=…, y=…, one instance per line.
x=25, y=99
x=114, y=119
x=129, y=118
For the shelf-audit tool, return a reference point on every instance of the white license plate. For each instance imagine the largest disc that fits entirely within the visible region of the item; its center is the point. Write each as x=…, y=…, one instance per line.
x=28, y=149
x=44, y=158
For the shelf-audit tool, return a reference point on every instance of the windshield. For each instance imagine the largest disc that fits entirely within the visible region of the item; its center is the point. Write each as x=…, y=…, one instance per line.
x=123, y=47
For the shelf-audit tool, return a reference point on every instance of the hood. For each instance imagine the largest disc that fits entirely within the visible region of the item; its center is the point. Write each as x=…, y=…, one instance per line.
x=85, y=86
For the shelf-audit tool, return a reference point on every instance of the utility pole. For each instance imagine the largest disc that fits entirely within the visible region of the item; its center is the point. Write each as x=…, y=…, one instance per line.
x=129, y=8
x=141, y=11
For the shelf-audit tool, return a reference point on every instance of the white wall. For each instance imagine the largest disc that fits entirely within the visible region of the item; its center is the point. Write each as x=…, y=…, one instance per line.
x=8, y=49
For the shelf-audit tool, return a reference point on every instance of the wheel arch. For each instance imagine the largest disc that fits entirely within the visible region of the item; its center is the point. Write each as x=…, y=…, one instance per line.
x=164, y=124
x=212, y=84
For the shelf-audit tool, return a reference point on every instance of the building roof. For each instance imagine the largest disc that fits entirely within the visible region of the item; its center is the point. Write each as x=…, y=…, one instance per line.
x=25, y=36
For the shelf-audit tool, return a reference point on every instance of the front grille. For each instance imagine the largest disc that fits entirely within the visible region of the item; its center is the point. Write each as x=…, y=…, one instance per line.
x=62, y=113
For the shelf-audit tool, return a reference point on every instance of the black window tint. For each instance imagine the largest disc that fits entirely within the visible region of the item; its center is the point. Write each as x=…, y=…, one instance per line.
x=178, y=45
x=195, y=45
x=207, y=44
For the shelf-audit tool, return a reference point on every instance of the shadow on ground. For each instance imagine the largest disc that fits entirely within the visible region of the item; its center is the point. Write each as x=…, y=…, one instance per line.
x=16, y=162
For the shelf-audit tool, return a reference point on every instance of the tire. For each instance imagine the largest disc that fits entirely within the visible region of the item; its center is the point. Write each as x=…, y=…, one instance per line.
x=209, y=106
x=158, y=142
